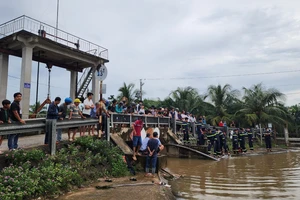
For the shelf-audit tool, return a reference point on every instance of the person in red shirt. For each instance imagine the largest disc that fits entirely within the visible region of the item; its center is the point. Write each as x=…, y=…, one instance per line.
x=137, y=127
x=221, y=124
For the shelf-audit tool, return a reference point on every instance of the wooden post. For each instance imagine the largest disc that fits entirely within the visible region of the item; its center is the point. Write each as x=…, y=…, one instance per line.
x=100, y=90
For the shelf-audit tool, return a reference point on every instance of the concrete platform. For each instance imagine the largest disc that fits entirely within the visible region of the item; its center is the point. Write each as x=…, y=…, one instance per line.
x=48, y=51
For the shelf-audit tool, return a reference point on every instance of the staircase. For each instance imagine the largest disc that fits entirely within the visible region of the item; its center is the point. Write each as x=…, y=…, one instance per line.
x=85, y=80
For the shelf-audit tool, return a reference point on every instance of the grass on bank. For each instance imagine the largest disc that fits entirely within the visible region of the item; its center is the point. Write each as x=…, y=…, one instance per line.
x=31, y=174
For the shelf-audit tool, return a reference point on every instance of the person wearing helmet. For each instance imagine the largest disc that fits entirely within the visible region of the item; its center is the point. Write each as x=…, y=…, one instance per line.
x=63, y=109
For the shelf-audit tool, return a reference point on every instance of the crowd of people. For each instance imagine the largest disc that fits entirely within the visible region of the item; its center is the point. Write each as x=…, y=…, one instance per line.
x=85, y=108
x=216, y=137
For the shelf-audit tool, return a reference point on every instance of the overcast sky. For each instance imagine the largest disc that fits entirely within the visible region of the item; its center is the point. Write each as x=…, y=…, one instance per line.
x=205, y=42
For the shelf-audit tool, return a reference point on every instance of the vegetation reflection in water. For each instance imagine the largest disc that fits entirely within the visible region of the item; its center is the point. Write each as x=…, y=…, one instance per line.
x=274, y=176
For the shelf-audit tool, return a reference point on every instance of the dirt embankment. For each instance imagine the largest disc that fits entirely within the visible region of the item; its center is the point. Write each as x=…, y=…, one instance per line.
x=123, y=188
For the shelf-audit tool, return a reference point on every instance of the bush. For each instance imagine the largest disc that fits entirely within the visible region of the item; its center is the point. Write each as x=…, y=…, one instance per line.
x=32, y=173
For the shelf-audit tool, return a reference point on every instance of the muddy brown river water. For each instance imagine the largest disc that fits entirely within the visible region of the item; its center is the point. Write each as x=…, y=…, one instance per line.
x=268, y=176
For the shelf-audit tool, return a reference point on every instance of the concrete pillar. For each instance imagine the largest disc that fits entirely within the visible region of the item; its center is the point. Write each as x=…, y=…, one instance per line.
x=95, y=89
x=25, y=82
x=73, y=84
x=3, y=76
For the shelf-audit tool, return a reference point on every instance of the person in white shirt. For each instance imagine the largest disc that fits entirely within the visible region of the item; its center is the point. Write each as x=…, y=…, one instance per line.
x=88, y=106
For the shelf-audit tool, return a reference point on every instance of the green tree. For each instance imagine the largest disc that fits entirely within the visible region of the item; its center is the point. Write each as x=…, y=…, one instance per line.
x=151, y=102
x=221, y=98
x=295, y=113
x=128, y=92
x=263, y=106
x=187, y=99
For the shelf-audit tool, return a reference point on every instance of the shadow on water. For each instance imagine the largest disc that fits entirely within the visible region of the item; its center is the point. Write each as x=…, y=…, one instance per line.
x=271, y=176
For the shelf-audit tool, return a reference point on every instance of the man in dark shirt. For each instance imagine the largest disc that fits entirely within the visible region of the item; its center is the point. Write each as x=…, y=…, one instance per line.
x=152, y=147
x=4, y=116
x=53, y=113
x=62, y=111
x=112, y=108
x=16, y=116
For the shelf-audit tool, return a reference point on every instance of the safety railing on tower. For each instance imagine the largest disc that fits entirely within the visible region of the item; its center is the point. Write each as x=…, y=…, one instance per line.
x=45, y=30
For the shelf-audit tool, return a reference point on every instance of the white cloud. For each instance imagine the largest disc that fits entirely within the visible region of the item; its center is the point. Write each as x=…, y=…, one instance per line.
x=168, y=39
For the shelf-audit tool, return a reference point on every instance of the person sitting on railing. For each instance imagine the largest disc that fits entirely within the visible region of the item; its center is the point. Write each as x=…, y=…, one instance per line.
x=166, y=112
x=152, y=110
x=4, y=116
x=179, y=116
x=52, y=113
x=159, y=112
x=112, y=107
x=119, y=108
x=183, y=115
x=142, y=110
x=139, y=105
x=75, y=113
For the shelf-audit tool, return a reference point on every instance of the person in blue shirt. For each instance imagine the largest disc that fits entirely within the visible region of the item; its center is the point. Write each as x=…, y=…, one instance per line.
x=152, y=147
x=52, y=114
x=119, y=108
x=203, y=120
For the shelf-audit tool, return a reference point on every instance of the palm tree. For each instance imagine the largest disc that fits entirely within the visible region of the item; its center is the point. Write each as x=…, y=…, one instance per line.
x=295, y=113
x=262, y=106
x=128, y=92
x=188, y=99
x=221, y=98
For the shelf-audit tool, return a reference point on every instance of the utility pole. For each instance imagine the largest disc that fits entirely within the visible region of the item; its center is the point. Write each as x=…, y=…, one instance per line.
x=57, y=9
x=141, y=89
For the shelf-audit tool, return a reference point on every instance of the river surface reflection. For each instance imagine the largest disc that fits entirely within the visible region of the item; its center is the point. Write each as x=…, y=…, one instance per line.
x=269, y=176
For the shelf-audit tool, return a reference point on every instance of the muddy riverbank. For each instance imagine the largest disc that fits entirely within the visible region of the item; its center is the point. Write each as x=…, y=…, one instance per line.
x=123, y=188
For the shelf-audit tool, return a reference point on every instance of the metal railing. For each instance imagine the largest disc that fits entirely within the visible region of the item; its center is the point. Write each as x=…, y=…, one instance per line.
x=51, y=126
x=50, y=32
x=148, y=120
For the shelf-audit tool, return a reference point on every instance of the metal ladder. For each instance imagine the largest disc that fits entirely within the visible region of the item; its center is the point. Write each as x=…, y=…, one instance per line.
x=85, y=80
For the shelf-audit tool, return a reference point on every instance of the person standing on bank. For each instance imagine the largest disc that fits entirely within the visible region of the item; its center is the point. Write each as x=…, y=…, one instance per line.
x=137, y=139
x=16, y=116
x=52, y=113
x=4, y=116
x=152, y=147
x=88, y=106
x=268, y=140
x=250, y=138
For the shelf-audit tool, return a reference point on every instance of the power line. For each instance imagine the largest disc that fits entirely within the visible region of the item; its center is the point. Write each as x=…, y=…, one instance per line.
x=222, y=76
